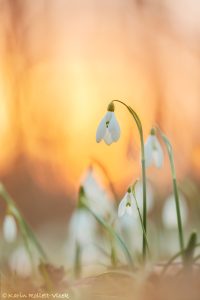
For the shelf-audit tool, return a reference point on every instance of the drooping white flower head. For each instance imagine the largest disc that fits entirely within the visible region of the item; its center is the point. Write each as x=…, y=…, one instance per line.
x=153, y=151
x=20, y=263
x=149, y=195
x=108, y=128
x=97, y=196
x=169, y=216
x=127, y=205
x=9, y=228
x=82, y=227
x=82, y=232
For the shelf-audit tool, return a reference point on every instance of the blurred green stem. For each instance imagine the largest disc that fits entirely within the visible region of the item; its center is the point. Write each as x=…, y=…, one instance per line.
x=175, y=188
x=141, y=222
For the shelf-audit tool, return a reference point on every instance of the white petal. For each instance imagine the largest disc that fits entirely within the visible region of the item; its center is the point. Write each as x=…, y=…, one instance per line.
x=148, y=147
x=101, y=129
x=169, y=216
x=82, y=227
x=107, y=137
x=9, y=228
x=158, y=154
x=97, y=196
x=122, y=207
x=114, y=128
x=20, y=263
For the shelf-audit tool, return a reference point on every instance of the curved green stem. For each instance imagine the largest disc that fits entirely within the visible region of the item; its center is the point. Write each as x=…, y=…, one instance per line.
x=139, y=126
x=142, y=225
x=175, y=188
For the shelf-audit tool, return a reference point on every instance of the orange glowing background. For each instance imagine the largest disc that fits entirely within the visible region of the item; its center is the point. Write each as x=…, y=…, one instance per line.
x=61, y=62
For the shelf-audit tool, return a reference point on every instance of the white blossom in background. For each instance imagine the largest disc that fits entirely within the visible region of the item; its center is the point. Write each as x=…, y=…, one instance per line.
x=82, y=227
x=108, y=129
x=169, y=216
x=9, y=228
x=127, y=206
x=98, y=199
x=20, y=263
x=153, y=151
x=129, y=228
x=82, y=231
x=149, y=195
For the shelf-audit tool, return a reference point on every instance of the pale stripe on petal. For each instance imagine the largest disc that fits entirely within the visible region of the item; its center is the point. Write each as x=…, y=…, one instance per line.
x=107, y=137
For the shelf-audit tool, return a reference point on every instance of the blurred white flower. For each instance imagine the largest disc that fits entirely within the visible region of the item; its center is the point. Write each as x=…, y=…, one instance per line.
x=20, y=263
x=127, y=205
x=153, y=151
x=108, y=129
x=9, y=228
x=129, y=228
x=82, y=232
x=97, y=197
x=169, y=216
x=82, y=227
x=149, y=195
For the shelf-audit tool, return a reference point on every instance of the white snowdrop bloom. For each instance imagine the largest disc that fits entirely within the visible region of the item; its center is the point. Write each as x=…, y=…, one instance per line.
x=169, y=216
x=97, y=197
x=83, y=233
x=108, y=128
x=127, y=205
x=153, y=151
x=149, y=195
x=129, y=228
x=9, y=228
x=82, y=227
x=20, y=263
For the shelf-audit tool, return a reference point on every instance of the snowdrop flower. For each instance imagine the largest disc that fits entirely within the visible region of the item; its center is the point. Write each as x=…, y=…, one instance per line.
x=169, y=216
x=97, y=197
x=153, y=151
x=139, y=195
x=82, y=227
x=9, y=228
x=20, y=263
x=82, y=232
x=127, y=205
x=129, y=229
x=108, y=128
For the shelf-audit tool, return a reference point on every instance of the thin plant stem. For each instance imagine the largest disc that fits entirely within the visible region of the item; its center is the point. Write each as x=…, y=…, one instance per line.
x=140, y=129
x=175, y=189
x=142, y=225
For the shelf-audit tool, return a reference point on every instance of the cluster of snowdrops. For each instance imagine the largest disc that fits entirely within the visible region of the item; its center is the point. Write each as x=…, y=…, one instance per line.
x=95, y=211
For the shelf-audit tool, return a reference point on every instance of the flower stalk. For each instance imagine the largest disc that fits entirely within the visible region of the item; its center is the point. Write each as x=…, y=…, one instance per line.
x=140, y=129
x=175, y=189
x=140, y=217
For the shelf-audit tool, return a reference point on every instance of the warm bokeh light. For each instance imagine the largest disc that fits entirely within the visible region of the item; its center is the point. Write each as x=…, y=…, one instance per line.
x=60, y=66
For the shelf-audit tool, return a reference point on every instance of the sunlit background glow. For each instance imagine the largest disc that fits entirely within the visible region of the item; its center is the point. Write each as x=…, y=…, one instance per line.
x=61, y=62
